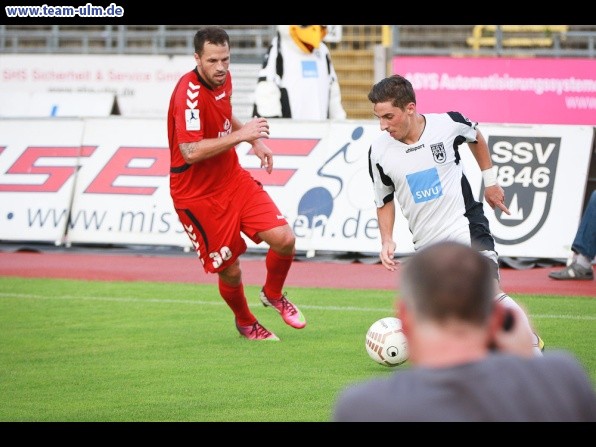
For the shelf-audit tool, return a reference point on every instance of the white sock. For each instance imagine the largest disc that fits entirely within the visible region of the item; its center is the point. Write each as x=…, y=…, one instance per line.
x=507, y=301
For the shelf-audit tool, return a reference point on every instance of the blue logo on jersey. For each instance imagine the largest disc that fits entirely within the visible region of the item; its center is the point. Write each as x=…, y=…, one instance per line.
x=425, y=185
x=309, y=69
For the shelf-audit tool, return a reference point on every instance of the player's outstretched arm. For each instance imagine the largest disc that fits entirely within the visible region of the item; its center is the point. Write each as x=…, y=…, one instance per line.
x=253, y=132
x=264, y=153
x=254, y=129
x=495, y=197
x=261, y=126
x=493, y=192
x=386, y=217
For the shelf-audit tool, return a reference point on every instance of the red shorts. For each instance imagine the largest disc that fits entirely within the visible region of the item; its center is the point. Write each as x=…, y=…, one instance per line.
x=214, y=224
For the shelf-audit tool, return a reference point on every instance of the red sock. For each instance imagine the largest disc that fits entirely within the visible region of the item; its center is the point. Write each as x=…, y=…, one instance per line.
x=278, y=267
x=236, y=300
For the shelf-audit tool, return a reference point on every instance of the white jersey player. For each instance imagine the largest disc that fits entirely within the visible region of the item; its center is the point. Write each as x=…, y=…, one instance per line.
x=417, y=163
x=429, y=182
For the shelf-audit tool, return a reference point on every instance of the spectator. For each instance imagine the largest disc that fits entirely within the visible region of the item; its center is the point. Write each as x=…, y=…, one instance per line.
x=583, y=247
x=470, y=359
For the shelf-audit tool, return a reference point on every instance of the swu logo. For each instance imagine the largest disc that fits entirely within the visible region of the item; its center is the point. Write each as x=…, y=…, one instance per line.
x=425, y=185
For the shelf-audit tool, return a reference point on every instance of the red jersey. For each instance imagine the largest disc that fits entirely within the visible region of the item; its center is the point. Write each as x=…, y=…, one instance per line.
x=197, y=111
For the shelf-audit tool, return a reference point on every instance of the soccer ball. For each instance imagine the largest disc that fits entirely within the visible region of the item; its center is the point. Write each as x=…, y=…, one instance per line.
x=385, y=342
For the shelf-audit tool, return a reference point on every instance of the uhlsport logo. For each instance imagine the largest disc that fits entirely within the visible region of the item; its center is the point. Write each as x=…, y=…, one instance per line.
x=526, y=170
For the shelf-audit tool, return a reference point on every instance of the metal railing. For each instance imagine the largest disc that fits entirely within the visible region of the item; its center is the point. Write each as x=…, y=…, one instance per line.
x=564, y=44
x=250, y=42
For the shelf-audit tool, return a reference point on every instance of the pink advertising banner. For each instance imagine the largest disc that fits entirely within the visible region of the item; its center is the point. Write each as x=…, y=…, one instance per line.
x=504, y=90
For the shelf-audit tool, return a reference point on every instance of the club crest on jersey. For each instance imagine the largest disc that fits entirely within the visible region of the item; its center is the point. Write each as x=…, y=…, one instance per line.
x=438, y=151
x=191, y=116
x=227, y=125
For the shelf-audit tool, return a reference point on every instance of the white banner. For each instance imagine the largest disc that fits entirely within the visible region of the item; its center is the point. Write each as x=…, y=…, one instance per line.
x=320, y=182
x=44, y=85
x=543, y=170
x=122, y=194
x=38, y=167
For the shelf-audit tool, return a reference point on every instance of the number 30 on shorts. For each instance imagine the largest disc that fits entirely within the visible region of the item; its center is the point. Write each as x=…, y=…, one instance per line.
x=219, y=257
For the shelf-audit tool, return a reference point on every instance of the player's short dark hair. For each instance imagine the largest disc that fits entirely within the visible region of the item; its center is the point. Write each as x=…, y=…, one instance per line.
x=449, y=281
x=395, y=89
x=212, y=34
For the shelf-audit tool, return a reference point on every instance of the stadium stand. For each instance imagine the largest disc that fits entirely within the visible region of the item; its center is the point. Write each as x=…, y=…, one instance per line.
x=527, y=36
x=356, y=55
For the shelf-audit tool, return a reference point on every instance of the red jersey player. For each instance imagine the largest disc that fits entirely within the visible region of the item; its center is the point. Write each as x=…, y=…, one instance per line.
x=215, y=198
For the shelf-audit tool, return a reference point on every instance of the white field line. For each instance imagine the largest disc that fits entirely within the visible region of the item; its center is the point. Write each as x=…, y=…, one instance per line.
x=221, y=303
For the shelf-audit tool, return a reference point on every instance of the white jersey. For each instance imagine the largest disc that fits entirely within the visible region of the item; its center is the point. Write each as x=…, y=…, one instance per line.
x=428, y=181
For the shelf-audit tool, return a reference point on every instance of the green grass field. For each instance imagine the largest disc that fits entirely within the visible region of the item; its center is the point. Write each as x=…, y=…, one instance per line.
x=86, y=351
